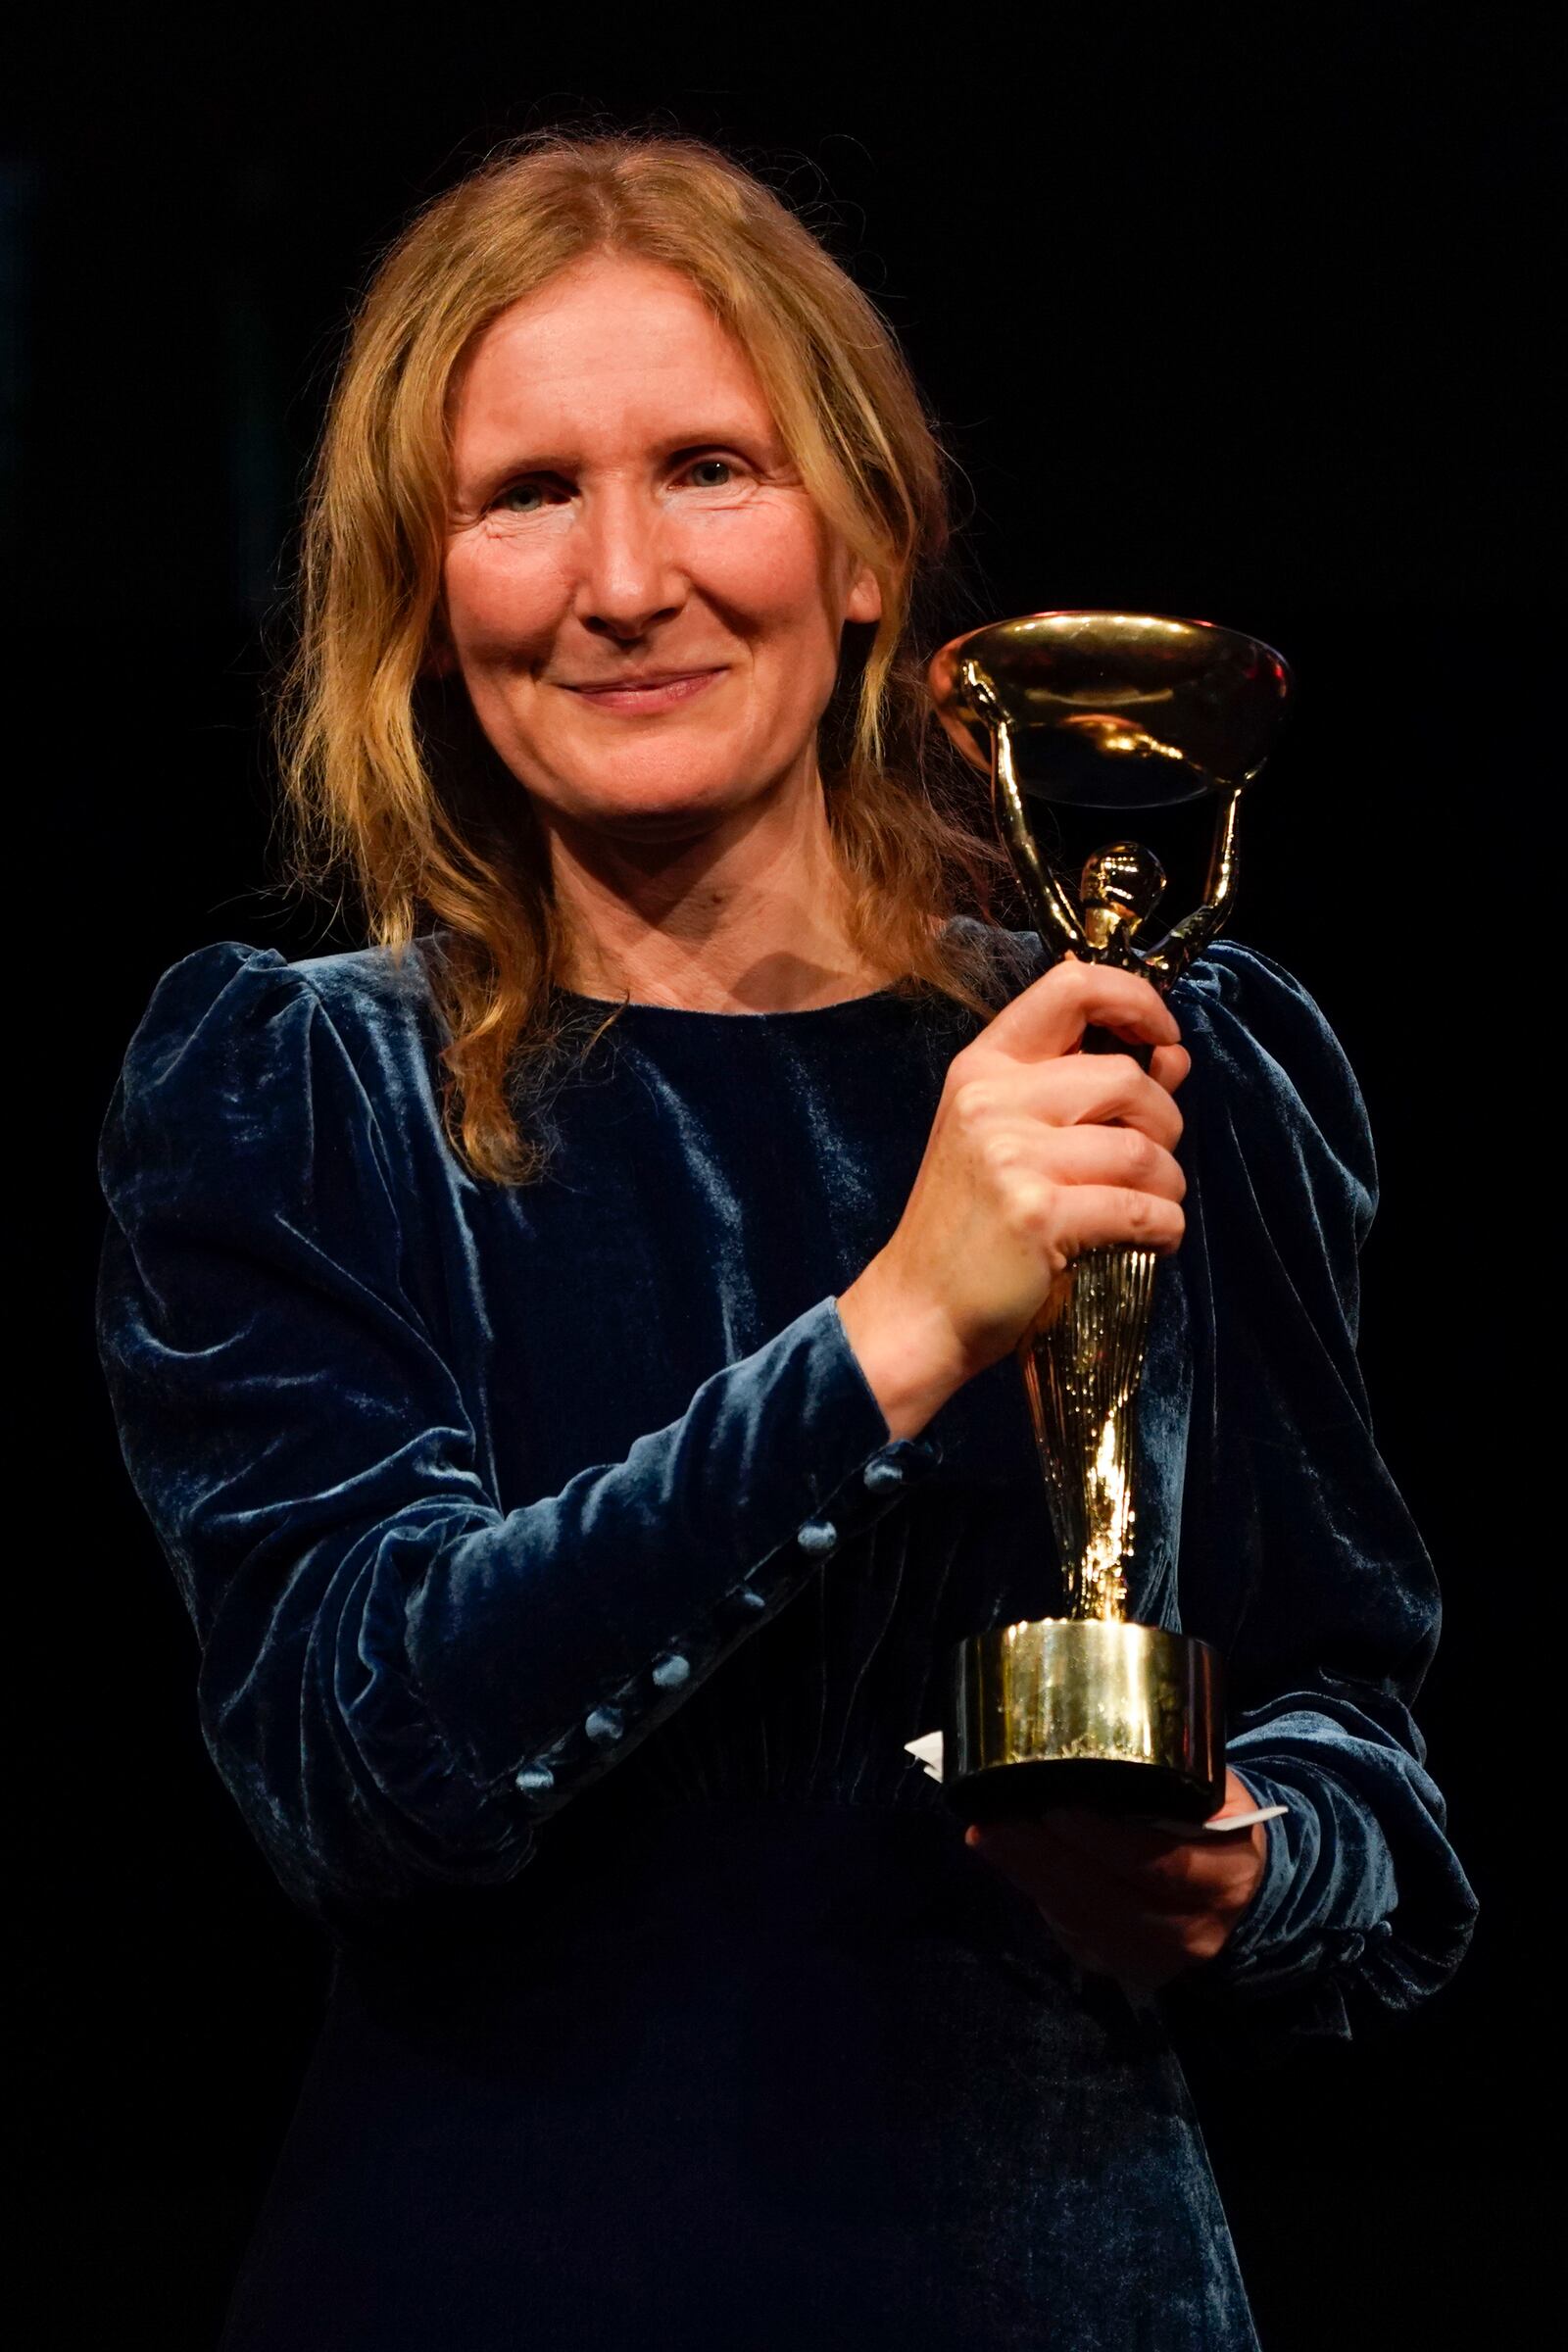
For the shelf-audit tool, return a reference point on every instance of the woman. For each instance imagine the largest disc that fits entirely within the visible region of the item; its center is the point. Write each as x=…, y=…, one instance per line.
x=563, y=1349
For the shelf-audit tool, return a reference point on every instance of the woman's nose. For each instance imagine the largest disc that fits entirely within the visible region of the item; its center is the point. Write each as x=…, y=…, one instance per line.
x=628, y=578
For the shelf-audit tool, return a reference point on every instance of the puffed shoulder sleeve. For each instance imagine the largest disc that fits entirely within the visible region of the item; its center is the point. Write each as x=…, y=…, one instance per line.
x=1298, y=1558
x=398, y=1679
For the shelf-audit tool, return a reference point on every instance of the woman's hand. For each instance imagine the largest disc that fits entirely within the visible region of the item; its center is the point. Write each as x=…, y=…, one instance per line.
x=1127, y=1901
x=1037, y=1154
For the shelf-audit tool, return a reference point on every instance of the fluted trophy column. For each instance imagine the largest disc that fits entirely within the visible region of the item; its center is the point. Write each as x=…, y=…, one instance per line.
x=1109, y=711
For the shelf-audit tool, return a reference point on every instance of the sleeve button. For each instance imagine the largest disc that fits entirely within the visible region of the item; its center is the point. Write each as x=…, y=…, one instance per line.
x=817, y=1538
x=881, y=1476
x=534, y=1780
x=671, y=1672
x=605, y=1724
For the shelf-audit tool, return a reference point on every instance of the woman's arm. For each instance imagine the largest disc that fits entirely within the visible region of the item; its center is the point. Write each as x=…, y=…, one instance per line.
x=1298, y=1557
x=399, y=1678
x=1299, y=1561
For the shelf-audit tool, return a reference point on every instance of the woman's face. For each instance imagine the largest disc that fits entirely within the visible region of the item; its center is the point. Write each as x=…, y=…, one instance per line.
x=643, y=602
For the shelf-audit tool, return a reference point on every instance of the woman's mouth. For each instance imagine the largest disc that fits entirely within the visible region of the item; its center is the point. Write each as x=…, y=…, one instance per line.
x=648, y=694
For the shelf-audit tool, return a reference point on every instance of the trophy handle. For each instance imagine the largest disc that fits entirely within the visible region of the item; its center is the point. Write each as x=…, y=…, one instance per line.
x=1058, y=921
x=1165, y=963
x=1056, y=916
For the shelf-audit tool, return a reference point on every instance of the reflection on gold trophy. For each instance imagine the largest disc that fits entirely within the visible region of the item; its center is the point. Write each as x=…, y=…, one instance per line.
x=1114, y=711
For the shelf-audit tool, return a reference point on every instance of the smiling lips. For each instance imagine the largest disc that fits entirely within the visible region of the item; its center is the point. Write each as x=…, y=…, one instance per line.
x=648, y=694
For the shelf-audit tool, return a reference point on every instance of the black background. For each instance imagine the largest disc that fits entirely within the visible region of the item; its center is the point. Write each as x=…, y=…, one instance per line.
x=1224, y=311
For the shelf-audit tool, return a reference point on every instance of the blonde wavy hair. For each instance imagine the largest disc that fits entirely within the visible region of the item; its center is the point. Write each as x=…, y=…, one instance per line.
x=389, y=783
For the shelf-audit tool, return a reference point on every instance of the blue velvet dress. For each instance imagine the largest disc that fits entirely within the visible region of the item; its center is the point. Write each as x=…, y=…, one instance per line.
x=563, y=1610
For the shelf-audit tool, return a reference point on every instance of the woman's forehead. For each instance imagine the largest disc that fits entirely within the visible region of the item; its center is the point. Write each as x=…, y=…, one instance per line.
x=610, y=339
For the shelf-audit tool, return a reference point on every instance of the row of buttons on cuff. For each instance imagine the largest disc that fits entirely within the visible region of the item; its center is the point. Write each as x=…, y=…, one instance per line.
x=882, y=1475
x=607, y=1723
x=604, y=1726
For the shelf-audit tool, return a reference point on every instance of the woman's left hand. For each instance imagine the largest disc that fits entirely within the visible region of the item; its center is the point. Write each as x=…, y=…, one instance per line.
x=1127, y=1901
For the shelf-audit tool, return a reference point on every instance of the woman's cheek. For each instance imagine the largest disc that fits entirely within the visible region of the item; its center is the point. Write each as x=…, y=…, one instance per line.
x=502, y=598
x=759, y=560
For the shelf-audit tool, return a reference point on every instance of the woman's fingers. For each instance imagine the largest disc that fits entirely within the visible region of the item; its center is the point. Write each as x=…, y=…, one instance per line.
x=1105, y=1217
x=1122, y=1895
x=1056, y=1880
x=1117, y=1156
x=1170, y=1066
x=1089, y=1090
x=1105, y=1924
x=1051, y=1015
x=1002, y=1205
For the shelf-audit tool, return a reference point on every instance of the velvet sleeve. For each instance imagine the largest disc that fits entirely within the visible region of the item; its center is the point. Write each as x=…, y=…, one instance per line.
x=1298, y=1557
x=398, y=1678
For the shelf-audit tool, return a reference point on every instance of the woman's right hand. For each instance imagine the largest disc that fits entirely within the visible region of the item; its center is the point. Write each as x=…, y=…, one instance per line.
x=1037, y=1154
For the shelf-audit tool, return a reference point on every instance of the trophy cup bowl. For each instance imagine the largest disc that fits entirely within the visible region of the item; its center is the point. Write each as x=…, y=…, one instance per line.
x=1113, y=711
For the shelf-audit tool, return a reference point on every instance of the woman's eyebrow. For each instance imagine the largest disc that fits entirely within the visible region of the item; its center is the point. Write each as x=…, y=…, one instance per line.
x=717, y=433
x=503, y=469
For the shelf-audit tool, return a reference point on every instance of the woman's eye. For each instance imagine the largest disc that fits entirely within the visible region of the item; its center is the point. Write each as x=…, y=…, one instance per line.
x=710, y=473
x=529, y=497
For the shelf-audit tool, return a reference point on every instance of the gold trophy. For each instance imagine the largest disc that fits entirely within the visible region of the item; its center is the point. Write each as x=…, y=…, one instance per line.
x=1113, y=711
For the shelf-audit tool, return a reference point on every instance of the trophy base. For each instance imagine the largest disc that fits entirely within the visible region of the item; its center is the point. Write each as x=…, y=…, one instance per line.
x=1079, y=1711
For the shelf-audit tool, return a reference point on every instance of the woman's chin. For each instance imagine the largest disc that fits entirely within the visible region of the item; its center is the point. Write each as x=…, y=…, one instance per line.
x=655, y=801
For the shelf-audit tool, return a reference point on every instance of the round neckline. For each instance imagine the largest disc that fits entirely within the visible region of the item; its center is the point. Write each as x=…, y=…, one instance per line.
x=691, y=1012
x=694, y=1013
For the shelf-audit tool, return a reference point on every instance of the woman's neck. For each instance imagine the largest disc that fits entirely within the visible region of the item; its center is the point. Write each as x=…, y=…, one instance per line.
x=751, y=917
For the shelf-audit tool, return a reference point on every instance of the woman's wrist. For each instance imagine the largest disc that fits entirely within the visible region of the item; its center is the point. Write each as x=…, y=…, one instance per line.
x=906, y=1355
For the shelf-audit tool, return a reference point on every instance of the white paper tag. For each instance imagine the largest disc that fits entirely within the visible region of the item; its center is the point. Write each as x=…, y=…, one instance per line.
x=1215, y=1829
x=927, y=1752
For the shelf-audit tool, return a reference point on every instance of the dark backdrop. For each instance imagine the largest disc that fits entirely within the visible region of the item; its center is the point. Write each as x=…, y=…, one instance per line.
x=1223, y=311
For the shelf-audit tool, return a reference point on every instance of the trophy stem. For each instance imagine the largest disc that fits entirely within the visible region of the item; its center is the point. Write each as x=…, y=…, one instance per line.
x=1081, y=1369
